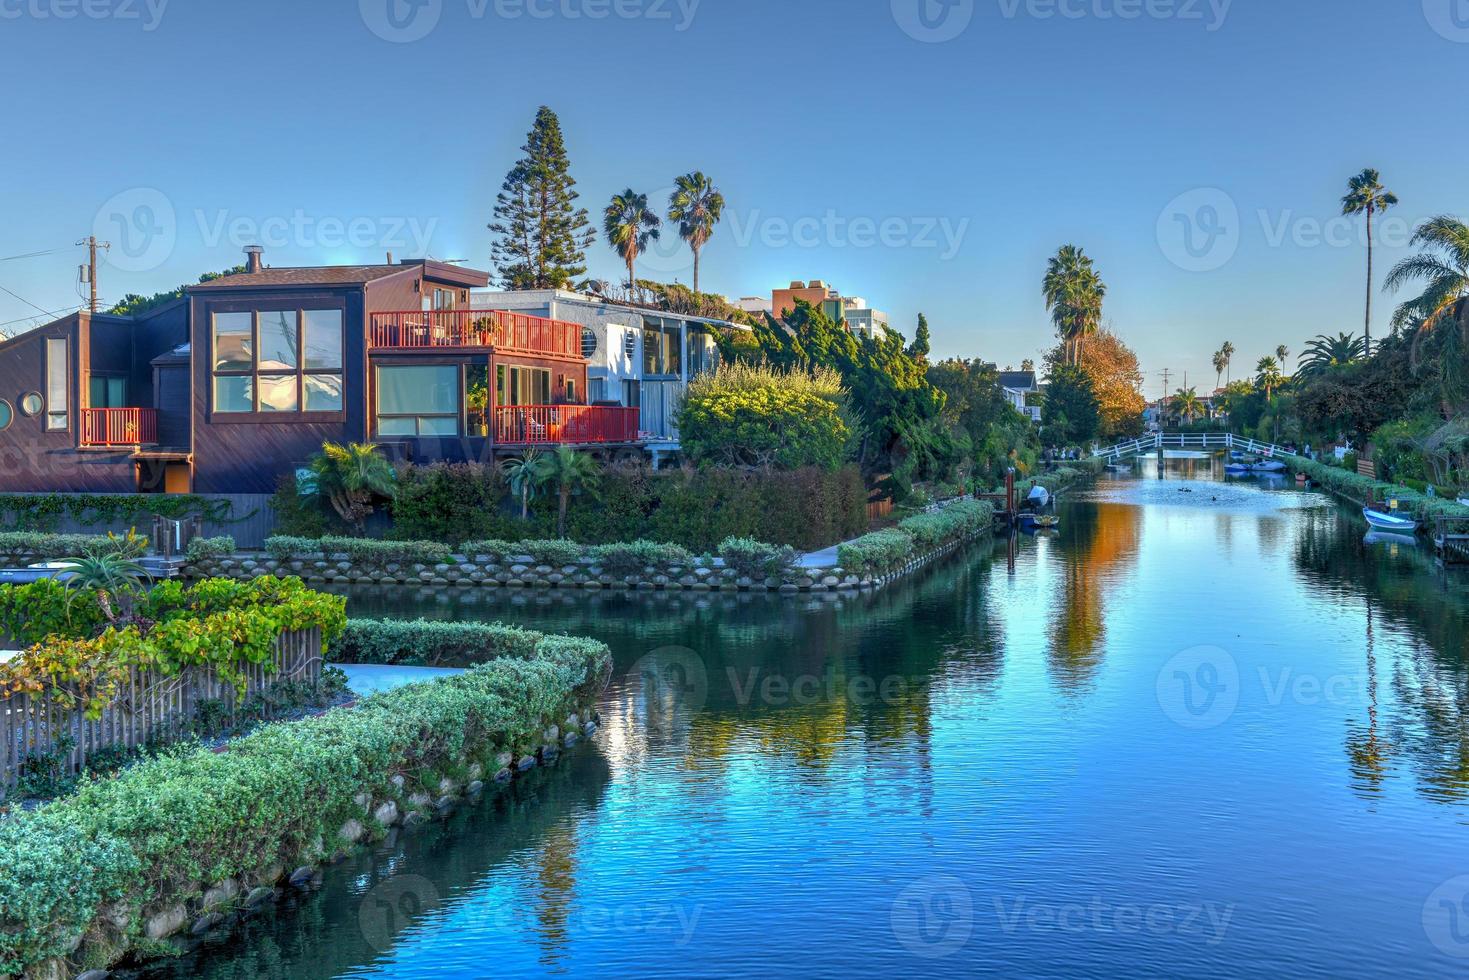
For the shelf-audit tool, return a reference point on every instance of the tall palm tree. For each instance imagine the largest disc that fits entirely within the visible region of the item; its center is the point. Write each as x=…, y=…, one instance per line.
x=697, y=206
x=1366, y=195
x=631, y=226
x=569, y=472
x=1282, y=354
x=1268, y=376
x=1228, y=351
x=1186, y=404
x=1220, y=363
x=1074, y=292
x=1325, y=352
x=524, y=473
x=1443, y=265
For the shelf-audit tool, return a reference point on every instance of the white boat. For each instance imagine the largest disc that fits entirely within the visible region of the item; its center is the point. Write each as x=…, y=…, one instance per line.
x=1038, y=497
x=1464, y=501
x=1384, y=521
x=1270, y=466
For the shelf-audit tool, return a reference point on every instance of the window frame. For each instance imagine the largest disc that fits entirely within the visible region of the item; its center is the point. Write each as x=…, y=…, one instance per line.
x=57, y=373
x=460, y=424
x=254, y=375
x=10, y=412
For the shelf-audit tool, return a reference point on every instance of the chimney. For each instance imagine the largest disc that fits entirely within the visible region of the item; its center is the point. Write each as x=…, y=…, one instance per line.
x=252, y=258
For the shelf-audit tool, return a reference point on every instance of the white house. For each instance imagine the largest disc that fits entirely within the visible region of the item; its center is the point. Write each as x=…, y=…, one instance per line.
x=1018, y=387
x=640, y=358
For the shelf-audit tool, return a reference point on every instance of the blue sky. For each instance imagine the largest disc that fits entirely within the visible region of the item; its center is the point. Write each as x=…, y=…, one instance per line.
x=927, y=164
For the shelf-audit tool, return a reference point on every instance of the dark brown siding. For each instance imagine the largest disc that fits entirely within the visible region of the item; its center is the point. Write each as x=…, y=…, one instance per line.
x=248, y=454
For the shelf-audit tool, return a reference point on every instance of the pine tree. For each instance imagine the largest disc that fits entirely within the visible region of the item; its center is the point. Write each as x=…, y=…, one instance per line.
x=922, y=344
x=542, y=237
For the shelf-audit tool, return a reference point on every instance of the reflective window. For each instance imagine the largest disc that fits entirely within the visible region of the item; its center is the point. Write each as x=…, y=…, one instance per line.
x=323, y=392
x=271, y=361
x=323, y=340
x=280, y=339
x=234, y=394
x=418, y=401
x=31, y=403
x=7, y=415
x=278, y=393
x=105, y=392
x=233, y=342
x=57, y=393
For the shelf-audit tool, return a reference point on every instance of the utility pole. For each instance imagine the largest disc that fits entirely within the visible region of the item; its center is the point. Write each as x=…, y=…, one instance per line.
x=91, y=242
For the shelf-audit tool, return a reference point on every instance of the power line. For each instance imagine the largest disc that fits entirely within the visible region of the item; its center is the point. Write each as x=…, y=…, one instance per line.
x=32, y=255
x=27, y=302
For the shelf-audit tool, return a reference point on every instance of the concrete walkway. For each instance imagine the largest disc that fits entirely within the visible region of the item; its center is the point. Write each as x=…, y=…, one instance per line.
x=366, y=679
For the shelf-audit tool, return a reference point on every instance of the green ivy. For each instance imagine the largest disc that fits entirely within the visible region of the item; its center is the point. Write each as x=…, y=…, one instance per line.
x=45, y=511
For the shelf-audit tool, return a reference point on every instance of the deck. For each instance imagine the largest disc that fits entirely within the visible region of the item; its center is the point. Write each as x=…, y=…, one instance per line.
x=1451, y=539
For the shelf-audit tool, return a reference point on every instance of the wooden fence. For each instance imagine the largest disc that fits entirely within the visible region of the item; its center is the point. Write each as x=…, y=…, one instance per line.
x=252, y=520
x=149, y=708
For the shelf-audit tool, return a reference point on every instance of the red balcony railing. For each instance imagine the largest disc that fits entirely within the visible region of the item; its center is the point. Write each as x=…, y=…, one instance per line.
x=558, y=424
x=119, y=426
x=510, y=332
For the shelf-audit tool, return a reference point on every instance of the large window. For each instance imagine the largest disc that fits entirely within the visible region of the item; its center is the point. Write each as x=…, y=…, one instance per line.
x=278, y=361
x=703, y=353
x=57, y=393
x=522, y=385
x=418, y=401
x=662, y=346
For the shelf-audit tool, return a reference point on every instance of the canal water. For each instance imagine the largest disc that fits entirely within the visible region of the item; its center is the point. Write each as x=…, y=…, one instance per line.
x=1205, y=729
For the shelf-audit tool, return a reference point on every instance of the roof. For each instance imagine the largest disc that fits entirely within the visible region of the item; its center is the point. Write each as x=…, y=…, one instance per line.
x=1018, y=380
x=343, y=275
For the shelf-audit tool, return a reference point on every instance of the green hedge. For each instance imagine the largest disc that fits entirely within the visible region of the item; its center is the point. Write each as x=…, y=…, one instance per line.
x=27, y=547
x=155, y=836
x=885, y=551
x=755, y=559
x=696, y=508
x=1358, y=487
x=45, y=511
x=433, y=643
x=366, y=552
x=201, y=548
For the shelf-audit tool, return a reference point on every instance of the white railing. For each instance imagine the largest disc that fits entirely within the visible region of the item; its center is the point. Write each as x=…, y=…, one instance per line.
x=1190, y=440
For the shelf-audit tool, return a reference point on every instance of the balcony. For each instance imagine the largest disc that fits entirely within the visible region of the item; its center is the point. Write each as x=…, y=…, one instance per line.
x=119, y=426
x=510, y=333
x=536, y=425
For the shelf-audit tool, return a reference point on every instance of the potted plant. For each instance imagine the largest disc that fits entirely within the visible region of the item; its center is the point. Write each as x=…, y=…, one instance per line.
x=477, y=401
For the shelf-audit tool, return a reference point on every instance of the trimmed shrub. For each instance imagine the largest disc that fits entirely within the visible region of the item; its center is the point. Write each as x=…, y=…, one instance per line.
x=453, y=502
x=884, y=551
x=27, y=547
x=364, y=552
x=431, y=643
x=1353, y=485
x=554, y=553
x=757, y=560
x=754, y=415
x=159, y=832
x=630, y=559
x=201, y=548
x=877, y=553
x=495, y=550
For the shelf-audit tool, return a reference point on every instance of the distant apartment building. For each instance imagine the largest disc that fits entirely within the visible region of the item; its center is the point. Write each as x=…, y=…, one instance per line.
x=855, y=311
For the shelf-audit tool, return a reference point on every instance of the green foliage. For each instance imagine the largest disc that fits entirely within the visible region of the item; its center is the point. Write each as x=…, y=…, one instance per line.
x=696, y=206
x=1070, y=415
x=1074, y=292
x=25, y=547
x=300, y=514
x=631, y=226
x=807, y=508
x=758, y=416
x=993, y=434
x=570, y=473
x=352, y=478
x=45, y=511
x=365, y=552
x=630, y=559
x=755, y=559
x=202, y=548
x=134, y=305
x=429, y=643
x=541, y=237
x=451, y=502
x=556, y=553
x=1353, y=485
x=158, y=832
x=882, y=552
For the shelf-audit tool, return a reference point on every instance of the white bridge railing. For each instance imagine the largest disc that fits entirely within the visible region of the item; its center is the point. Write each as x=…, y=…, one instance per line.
x=1190, y=440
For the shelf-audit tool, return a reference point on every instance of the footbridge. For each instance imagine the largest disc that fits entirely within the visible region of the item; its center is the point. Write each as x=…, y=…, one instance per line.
x=1197, y=441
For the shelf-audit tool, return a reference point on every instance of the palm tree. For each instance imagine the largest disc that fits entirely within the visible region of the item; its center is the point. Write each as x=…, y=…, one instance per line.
x=1186, y=404
x=524, y=473
x=1228, y=351
x=1074, y=292
x=631, y=226
x=1220, y=363
x=1268, y=376
x=350, y=477
x=1366, y=195
x=569, y=472
x=1282, y=354
x=1443, y=264
x=697, y=206
x=1325, y=352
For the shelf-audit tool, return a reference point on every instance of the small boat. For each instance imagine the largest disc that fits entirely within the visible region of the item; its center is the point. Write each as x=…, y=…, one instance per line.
x=1384, y=521
x=1464, y=501
x=59, y=570
x=1239, y=469
x=1270, y=466
x=1033, y=521
x=1038, y=497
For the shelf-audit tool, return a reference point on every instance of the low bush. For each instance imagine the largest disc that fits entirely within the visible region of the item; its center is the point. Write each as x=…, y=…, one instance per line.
x=364, y=552
x=495, y=550
x=453, y=502
x=28, y=547
x=755, y=559
x=88, y=868
x=202, y=548
x=759, y=416
x=431, y=643
x=555, y=553
x=884, y=551
x=630, y=559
